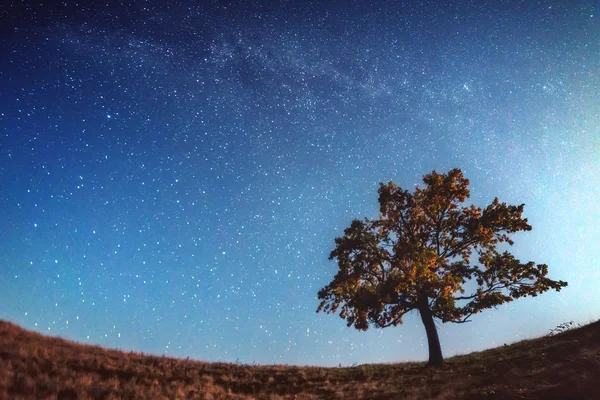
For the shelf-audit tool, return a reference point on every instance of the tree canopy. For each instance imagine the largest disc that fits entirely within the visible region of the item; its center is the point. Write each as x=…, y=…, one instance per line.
x=419, y=254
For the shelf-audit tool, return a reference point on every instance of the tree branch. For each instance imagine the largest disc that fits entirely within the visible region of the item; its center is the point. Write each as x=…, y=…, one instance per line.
x=405, y=226
x=488, y=290
x=461, y=247
x=465, y=319
x=398, y=318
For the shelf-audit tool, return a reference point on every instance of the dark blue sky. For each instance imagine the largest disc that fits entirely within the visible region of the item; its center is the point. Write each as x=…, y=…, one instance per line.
x=173, y=174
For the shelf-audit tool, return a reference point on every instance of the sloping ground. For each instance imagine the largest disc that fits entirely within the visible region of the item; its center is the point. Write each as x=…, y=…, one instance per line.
x=33, y=366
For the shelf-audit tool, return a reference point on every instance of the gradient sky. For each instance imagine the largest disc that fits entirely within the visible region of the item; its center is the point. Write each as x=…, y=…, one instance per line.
x=173, y=174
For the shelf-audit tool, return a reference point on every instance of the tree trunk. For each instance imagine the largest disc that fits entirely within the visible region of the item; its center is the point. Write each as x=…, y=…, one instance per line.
x=435, y=349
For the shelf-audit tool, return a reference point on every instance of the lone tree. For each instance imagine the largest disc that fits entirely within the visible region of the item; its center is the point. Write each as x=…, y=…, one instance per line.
x=417, y=256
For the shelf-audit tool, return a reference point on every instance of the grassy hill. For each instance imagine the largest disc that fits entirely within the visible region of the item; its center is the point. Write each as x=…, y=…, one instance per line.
x=34, y=366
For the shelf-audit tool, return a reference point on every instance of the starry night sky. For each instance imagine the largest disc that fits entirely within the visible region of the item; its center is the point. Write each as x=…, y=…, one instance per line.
x=173, y=174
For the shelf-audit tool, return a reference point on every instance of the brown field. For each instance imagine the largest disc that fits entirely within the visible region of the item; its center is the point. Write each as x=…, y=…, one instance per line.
x=34, y=366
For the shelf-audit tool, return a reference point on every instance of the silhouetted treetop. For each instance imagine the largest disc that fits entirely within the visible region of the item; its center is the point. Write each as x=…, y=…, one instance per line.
x=422, y=250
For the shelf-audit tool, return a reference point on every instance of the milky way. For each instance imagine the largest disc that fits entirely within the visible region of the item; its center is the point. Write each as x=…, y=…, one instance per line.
x=173, y=174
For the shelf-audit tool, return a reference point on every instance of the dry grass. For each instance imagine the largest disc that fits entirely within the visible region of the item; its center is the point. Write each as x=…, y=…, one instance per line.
x=33, y=366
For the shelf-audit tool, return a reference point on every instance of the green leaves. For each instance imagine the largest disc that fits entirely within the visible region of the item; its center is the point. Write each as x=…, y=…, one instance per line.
x=421, y=246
